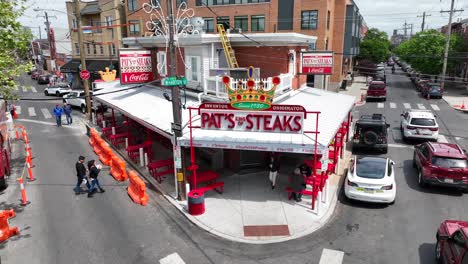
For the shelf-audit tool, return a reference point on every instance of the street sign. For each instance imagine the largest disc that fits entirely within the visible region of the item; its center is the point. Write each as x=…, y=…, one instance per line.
x=84, y=74
x=174, y=81
x=176, y=127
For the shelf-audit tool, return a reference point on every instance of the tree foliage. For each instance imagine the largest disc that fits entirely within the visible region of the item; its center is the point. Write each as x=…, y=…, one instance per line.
x=375, y=46
x=425, y=51
x=14, y=45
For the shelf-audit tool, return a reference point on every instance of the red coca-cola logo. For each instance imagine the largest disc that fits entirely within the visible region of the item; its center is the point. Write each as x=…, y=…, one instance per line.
x=137, y=77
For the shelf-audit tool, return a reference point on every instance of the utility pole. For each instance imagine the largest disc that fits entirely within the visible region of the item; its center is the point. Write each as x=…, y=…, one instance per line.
x=82, y=56
x=405, y=28
x=423, y=20
x=176, y=106
x=447, y=41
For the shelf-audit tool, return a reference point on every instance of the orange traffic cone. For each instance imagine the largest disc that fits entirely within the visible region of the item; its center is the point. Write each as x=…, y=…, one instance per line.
x=24, y=200
x=15, y=115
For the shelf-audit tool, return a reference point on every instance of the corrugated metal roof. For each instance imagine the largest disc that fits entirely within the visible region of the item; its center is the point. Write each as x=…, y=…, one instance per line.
x=91, y=9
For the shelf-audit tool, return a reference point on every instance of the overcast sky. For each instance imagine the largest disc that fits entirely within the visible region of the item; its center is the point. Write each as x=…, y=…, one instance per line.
x=383, y=14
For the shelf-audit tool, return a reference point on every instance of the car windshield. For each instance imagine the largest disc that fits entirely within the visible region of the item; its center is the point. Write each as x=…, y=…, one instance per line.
x=435, y=88
x=449, y=162
x=376, y=86
x=371, y=168
x=422, y=121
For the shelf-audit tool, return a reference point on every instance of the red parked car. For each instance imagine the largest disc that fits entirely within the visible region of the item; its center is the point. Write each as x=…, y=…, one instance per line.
x=443, y=164
x=377, y=90
x=34, y=75
x=452, y=242
x=421, y=84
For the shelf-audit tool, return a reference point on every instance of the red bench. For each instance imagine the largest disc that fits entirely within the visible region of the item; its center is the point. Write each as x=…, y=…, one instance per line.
x=134, y=151
x=217, y=187
x=118, y=139
x=160, y=168
x=208, y=177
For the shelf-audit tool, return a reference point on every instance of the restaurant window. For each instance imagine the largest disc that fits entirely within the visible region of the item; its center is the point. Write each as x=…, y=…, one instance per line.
x=132, y=5
x=193, y=72
x=241, y=22
x=258, y=23
x=309, y=19
x=209, y=24
x=223, y=20
x=134, y=26
x=77, y=48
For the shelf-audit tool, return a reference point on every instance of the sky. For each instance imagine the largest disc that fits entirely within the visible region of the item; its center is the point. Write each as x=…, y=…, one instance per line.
x=385, y=15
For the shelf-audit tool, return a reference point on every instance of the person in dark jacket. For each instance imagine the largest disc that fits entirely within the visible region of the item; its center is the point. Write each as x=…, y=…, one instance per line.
x=273, y=166
x=297, y=184
x=67, y=110
x=93, y=175
x=81, y=175
x=58, y=115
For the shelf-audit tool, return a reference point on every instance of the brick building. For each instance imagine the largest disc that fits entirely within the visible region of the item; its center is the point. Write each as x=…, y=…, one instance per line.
x=336, y=24
x=460, y=28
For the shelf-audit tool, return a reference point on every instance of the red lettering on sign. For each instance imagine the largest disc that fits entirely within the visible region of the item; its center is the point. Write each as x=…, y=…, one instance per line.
x=266, y=122
x=277, y=124
x=297, y=122
x=249, y=122
x=230, y=119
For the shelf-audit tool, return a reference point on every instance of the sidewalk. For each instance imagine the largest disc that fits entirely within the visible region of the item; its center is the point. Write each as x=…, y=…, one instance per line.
x=356, y=89
x=456, y=96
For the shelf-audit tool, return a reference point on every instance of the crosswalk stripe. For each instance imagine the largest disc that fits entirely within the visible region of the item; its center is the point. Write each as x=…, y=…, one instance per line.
x=330, y=256
x=407, y=106
x=435, y=107
x=25, y=90
x=173, y=258
x=18, y=109
x=33, y=89
x=380, y=105
x=392, y=105
x=32, y=111
x=421, y=106
x=46, y=113
x=442, y=139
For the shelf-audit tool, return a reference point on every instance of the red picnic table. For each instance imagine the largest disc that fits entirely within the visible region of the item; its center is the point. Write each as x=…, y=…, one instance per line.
x=107, y=131
x=160, y=168
x=118, y=139
x=134, y=151
x=210, y=178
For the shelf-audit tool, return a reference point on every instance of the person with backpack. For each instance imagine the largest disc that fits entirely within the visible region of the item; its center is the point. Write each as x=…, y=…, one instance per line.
x=93, y=176
x=58, y=115
x=81, y=175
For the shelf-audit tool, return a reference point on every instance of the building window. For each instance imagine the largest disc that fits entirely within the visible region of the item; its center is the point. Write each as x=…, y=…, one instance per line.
x=179, y=2
x=239, y=2
x=134, y=26
x=309, y=19
x=88, y=48
x=108, y=21
x=193, y=72
x=162, y=63
x=222, y=2
x=328, y=19
x=101, y=47
x=258, y=23
x=241, y=22
x=132, y=5
x=94, y=49
x=209, y=24
x=74, y=23
x=223, y=20
x=77, y=48
x=112, y=49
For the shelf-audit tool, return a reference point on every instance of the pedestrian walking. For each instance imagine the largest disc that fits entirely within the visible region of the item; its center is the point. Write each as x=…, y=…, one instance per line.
x=93, y=176
x=297, y=184
x=58, y=115
x=81, y=175
x=273, y=166
x=68, y=113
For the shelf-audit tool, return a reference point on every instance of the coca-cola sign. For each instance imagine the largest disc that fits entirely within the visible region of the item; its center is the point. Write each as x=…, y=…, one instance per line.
x=135, y=66
x=317, y=62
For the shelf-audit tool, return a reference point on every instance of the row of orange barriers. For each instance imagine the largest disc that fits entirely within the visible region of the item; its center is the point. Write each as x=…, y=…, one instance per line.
x=137, y=187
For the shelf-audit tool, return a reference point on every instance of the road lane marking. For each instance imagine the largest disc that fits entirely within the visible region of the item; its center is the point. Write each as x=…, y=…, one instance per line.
x=33, y=89
x=32, y=111
x=442, y=139
x=173, y=258
x=435, y=107
x=421, y=106
x=330, y=256
x=380, y=105
x=392, y=105
x=407, y=106
x=18, y=109
x=46, y=113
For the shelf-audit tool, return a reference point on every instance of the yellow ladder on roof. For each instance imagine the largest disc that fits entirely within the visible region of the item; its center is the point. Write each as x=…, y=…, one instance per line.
x=228, y=51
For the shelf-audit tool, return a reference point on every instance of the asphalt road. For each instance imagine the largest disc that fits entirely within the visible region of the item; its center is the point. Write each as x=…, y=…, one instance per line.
x=60, y=227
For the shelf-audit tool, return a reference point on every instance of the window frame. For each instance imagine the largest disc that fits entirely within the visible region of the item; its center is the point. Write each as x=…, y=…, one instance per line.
x=94, y=49
x=101, y=49
x=189, y=70
x=134, y=26
x=256, y=19
x=163, y=70
x=205, y=26
x=77, y=48
x=109, y=21
x=223, y=18
x=132, y=5
x=309, y=25
x=242, y=18
x=88, y=48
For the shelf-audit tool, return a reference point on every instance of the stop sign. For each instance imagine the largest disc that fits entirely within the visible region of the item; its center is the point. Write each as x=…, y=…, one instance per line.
x=84, y=74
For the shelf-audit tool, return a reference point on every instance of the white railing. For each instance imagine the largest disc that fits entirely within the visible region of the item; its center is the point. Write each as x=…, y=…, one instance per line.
x=214, y=85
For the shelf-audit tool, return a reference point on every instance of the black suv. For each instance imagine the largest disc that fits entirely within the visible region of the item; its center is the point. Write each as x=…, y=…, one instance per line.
x=370, y=132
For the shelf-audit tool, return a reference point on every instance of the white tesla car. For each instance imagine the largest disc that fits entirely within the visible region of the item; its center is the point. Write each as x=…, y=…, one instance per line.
x=371, y=179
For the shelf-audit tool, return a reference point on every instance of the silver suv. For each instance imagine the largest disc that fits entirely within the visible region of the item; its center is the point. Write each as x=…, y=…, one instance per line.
x=76, y=98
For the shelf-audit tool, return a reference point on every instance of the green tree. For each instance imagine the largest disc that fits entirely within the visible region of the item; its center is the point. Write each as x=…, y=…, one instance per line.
x=14, y=45
x=424, y=52
x=375, y=46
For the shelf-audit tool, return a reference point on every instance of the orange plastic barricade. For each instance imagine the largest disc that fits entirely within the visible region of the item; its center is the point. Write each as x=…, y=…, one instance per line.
x=92, y=137
x=137, y=189
x=5, y=230
x=118, y=169
x=98, y=146
x=106, y=155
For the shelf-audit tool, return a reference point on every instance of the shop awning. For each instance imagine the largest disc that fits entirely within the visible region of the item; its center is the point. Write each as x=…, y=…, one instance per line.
x=71, y=66
x=100, y=65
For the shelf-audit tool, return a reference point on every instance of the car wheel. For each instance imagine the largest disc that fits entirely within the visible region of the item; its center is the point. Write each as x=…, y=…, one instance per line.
x=83, y=109
x=438, y=252
x=46, y=93
x=57, y=94
x=370, y=138
x=421, y=180
x=414, y=160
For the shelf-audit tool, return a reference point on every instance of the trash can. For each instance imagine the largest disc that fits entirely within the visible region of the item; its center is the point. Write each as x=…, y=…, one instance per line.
x=196, y=202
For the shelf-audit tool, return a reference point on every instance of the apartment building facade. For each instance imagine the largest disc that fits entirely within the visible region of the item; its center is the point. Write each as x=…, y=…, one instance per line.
x=104, y=25
x=335, y=23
